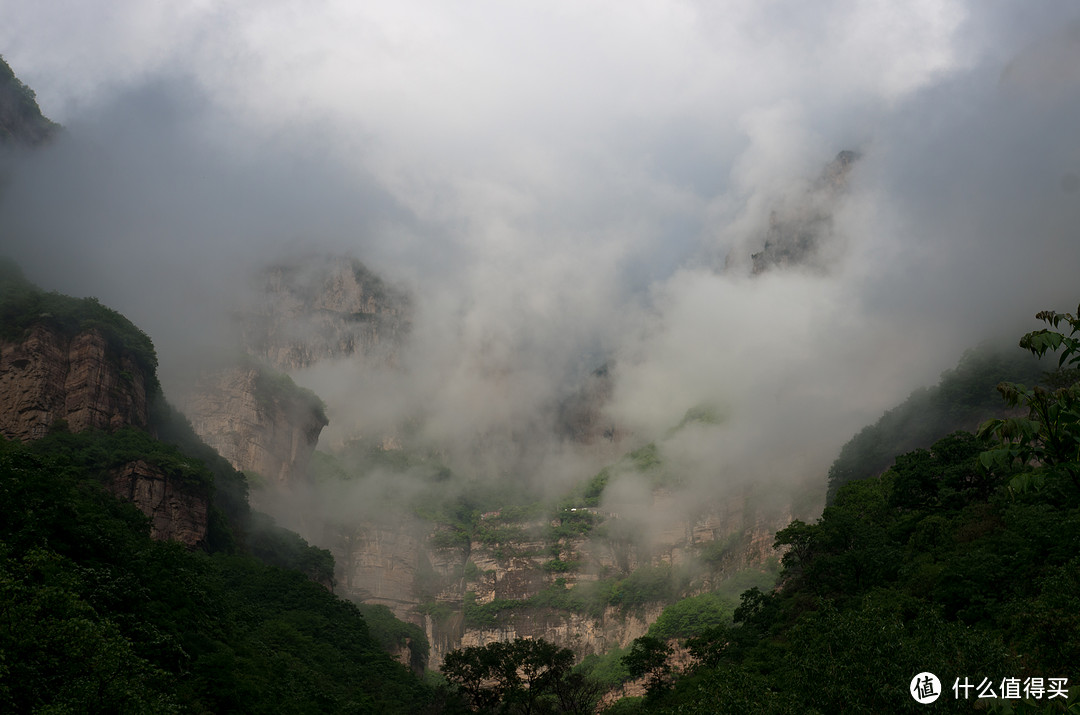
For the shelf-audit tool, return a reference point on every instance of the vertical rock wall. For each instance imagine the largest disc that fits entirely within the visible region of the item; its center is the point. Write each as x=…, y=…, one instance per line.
x=48, y=376
x=262, y=425
x=178, y=512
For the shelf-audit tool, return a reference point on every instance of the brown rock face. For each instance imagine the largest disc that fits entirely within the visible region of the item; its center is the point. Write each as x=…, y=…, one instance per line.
x=48, y=377
x=394, y=563
x=261, y=424
x=177, y=512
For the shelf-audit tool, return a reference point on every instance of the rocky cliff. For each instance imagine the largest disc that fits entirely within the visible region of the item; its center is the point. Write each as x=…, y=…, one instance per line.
x=177, y=511
x=50, y=376
x=260, y=421
x=68, y=363
x=800, y=229
x=518, y=579
x=299, y=311
x=84, y=381
x=320, y=307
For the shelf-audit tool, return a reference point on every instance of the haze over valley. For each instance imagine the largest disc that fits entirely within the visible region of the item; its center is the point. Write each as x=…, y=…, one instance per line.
x=542, y=318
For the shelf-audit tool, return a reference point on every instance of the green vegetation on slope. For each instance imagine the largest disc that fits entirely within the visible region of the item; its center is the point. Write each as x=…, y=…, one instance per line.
x=97, y=617
x=960, y=559
x=396, y=635
x=21, y=120
x=965, y=396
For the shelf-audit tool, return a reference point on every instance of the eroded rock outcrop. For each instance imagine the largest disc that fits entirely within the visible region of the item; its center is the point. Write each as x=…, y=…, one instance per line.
x=260, y=421
x=401, y=566
x=84, y=381
x=300, y=311
x=49, y=376
x=322, y=307
x=177, y=511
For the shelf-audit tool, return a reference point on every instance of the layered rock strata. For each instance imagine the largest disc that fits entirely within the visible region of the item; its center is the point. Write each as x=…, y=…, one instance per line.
x=395, y=564
x=177, y=511
x=262, y=423
x=48, y=377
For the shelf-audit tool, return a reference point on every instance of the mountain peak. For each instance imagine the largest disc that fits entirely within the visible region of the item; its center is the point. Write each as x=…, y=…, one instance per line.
x=21, y=120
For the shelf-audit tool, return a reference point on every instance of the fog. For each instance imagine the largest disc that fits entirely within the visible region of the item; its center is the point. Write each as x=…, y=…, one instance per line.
x=560, y=187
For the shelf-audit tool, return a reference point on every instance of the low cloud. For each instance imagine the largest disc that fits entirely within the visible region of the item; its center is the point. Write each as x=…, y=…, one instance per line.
x=560, y=188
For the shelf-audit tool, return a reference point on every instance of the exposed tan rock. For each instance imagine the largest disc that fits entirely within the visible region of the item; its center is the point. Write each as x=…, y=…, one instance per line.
x=680, y=661
x=177, y=511
x=271, y=433
x=390, y=563
x=48, y=376
x=320, y=307
x=379, y=563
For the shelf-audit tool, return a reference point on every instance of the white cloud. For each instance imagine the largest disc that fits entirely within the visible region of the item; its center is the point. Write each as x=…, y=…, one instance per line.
x=546, y=176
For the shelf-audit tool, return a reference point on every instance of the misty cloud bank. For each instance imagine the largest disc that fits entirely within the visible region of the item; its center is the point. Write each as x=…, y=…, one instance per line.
x=558, y=187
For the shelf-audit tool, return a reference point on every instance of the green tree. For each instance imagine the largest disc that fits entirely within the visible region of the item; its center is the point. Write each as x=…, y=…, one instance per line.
x=524, y=676
x=1048, y=438
x=649, y=658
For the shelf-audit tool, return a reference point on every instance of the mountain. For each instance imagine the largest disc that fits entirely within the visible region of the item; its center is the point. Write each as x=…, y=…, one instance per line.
x=317, y=307
x=800, y=231
x=21, y=120
x=259, y=420
x=965, y=397
x=133, y=578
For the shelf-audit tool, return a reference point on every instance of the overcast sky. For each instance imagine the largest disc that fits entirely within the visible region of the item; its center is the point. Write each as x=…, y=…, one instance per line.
x=555, y=182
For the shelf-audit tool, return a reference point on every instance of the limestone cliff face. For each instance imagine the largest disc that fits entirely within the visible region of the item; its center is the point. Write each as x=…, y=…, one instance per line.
x=380, y=563
x=259, y=421
x=300, y=311
x=322, y=307
x=395, y=564
x=48, y=376
x=178, y=512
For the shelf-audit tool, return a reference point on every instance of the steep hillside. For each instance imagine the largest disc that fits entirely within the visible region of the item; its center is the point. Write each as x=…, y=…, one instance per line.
x=105, y=610
x=98, y=617
x=965, y=396
x=21, y=120
x=259, y=420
